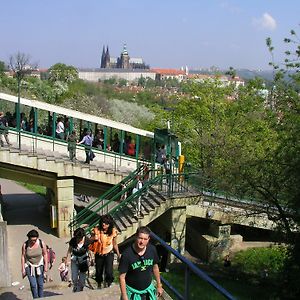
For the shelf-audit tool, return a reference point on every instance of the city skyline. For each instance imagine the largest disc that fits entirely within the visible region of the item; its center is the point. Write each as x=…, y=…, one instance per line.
x=167, y=34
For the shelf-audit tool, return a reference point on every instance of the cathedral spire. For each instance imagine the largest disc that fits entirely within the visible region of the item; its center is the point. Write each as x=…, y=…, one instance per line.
x=103, y=58
x=125, y=49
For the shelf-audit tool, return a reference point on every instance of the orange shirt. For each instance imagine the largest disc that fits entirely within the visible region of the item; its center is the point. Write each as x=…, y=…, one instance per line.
x=103, y=242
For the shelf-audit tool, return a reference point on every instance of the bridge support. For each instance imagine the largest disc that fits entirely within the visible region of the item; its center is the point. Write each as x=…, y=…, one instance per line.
x=178, y=228
x=64, y=201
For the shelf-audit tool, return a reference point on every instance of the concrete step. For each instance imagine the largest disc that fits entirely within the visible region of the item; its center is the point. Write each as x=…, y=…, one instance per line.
x=61, y=291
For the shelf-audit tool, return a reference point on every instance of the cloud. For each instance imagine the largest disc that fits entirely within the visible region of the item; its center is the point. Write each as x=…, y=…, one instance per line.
x=266, y=21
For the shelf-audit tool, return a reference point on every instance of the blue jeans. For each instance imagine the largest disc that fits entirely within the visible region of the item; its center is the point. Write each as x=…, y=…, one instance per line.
x=36, y=282
x=78, y=278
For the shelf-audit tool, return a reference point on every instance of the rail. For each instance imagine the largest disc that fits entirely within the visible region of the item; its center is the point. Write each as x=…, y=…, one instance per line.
x=189, y=267
x=90, y=214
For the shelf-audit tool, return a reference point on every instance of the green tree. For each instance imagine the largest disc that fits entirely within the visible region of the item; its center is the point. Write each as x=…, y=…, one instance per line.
x=63, y=73
x=2, y=68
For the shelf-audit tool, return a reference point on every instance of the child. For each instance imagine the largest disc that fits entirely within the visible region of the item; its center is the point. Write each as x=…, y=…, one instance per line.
x=63, y=269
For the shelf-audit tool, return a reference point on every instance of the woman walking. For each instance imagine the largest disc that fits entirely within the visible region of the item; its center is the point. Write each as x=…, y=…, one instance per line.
x=105, y=243
x=78, y=250
x=34, y=263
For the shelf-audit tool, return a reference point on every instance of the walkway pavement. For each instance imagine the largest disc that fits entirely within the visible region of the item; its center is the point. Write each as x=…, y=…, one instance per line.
x=25, y=210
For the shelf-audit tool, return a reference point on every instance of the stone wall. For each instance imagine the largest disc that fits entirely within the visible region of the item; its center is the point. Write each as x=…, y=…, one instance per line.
x=129, y=76
x=4, y=274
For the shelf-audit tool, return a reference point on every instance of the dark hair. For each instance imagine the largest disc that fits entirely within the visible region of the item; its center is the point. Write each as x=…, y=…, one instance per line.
x=143, y=229
x=32, y=233
x=79, y=233
x=107, y=219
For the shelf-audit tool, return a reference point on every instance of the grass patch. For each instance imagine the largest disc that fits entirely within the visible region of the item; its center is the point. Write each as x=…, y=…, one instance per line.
x=199, y=289
x=38, y=189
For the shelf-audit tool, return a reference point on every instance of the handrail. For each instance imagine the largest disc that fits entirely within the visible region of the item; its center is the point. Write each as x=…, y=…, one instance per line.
x=107, y=195
x=125, y=202
x=131, y=198
x=111, y=195
x=193, y=268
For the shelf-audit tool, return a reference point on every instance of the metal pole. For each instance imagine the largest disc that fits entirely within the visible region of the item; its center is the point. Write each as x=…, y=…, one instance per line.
x=18, y=112
x=187, y=283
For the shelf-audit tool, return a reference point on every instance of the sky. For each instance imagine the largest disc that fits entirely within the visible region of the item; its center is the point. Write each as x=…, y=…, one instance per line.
x=165, y=33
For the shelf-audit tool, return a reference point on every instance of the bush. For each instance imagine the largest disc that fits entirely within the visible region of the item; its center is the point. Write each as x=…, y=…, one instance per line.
x=265, y=262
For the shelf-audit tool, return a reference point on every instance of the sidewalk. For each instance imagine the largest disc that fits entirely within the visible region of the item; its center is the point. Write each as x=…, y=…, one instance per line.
x=25, y=210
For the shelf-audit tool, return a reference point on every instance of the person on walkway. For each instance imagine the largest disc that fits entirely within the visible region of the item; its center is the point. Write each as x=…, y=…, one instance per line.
x=139, y=185
x=124, y=193
x=105, y=243
x=60, y=129
x=63, y=269
x=4, y=129
x=78, y=250
x=138, y=262
x=34, y=262
x=87, y=141
x=51, y=259
x=72, y=141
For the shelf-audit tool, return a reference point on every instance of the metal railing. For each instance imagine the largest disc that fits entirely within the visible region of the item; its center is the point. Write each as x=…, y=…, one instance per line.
x=189, y=268
x=35, y=143
x=90, y=214
x=168, y=185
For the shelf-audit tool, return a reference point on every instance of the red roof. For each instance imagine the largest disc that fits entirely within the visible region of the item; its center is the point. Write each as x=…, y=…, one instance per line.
x=168, y=71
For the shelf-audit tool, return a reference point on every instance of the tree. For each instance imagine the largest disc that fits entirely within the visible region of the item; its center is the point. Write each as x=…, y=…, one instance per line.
x=2, y=67
x=285, y=103
x=63, y=73
x=20, y=65
x=231, y=72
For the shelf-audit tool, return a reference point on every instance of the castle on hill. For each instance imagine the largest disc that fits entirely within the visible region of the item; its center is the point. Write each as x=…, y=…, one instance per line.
x=121, y=62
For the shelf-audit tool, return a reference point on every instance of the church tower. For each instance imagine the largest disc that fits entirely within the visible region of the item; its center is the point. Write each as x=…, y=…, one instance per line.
x=102, y=65
x=107, y=58
x=124, y=59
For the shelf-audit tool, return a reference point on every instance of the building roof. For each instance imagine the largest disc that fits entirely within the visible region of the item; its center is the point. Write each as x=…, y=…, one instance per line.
x=168, y=72
x=114, y=70
x=136, y=60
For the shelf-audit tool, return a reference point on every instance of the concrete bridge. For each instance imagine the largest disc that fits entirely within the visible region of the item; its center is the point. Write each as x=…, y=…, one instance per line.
x=37, y=163
x=40, y=165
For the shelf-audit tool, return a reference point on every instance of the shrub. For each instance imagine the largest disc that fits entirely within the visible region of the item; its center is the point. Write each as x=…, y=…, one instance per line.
x=266, y=262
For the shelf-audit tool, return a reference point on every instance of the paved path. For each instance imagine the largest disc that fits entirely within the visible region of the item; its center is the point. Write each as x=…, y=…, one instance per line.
x=25, y=210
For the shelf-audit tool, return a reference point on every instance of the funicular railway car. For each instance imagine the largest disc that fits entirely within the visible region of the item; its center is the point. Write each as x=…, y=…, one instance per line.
x=39, y=120
x=38, y=128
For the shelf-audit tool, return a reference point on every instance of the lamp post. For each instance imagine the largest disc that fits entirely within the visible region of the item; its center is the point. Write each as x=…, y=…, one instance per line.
x=18, y=110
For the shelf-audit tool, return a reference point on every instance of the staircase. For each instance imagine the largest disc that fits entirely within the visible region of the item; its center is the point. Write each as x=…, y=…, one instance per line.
x=157, y=196
x=60, y=164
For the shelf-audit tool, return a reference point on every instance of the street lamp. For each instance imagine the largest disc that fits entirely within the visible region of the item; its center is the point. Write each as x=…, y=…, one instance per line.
x=18, y=110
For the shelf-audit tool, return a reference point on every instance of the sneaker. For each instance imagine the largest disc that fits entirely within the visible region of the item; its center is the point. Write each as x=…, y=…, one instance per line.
x=99, y=286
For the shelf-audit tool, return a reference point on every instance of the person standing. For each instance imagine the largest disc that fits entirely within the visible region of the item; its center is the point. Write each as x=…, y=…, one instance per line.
x=63, y=269
x=105, y=243
x=34, y=262
x=87, y=141
x=138, y=262
x=4, y=129
x=60, y=129
x=72, y=140
x=78, y=250
x=51, y=259
x=139, y=185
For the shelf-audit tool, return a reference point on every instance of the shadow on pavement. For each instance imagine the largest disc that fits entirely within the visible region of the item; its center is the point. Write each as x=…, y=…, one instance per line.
x=31, y=209
x=9, y=296
x=49, y=294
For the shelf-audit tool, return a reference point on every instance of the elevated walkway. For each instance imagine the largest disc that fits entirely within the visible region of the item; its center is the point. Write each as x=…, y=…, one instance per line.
x=47, y=164
x=174, y=199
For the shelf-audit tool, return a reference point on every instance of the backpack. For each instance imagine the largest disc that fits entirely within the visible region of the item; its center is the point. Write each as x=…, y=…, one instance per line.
x=51, y=256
